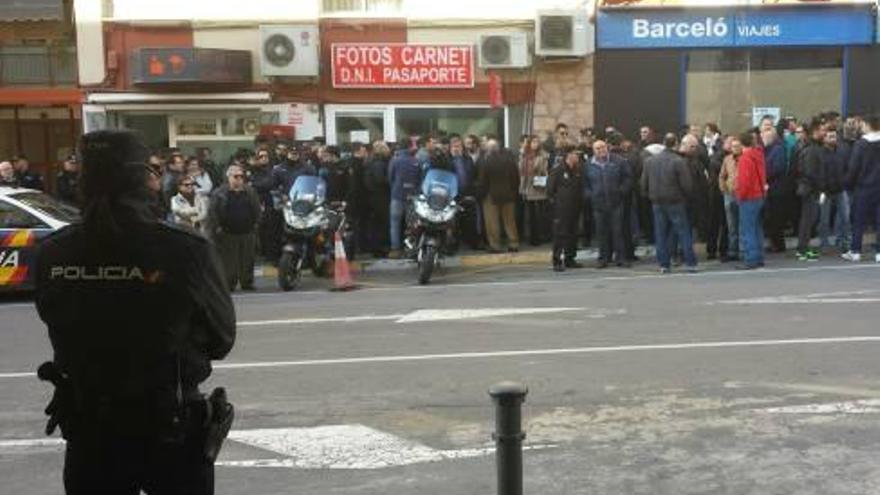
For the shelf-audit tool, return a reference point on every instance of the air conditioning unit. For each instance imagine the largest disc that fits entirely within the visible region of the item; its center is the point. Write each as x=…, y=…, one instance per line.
x=251, y=127
x=564, y=33
x=289, y=50
x=505, y=51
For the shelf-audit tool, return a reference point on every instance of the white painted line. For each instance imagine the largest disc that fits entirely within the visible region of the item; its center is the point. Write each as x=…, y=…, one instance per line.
x=31, y=443
x=867, y=406
x=533, y=352
x=425, y=315
x=18, y=375
x=550, y=352
x=428, y=315
x=818, y=298
x=306, y=321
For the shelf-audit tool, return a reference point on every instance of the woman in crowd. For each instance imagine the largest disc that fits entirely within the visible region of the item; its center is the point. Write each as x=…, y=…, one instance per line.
x=203, y=182
x=533, y=172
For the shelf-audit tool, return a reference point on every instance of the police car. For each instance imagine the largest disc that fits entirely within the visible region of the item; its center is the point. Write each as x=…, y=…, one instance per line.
x=26, y=217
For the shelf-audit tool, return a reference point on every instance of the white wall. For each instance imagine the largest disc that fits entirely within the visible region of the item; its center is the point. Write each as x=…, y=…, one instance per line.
x=485, y=9
x=89, y=41
x=215, y=10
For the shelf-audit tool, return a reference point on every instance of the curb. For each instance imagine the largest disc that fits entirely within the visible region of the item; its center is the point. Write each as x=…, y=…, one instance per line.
x=532, y=257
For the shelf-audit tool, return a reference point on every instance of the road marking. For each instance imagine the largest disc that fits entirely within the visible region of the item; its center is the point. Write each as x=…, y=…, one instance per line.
x=817, y=298
x=306, y=321
x=550, y=352
x=425, y=315
x=30, y=443
x=529, y=352
x=868, y=406
x=340, y=447
x=323, y=447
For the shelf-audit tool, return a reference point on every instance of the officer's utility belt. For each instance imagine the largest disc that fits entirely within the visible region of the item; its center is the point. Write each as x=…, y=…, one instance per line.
x=207, y=418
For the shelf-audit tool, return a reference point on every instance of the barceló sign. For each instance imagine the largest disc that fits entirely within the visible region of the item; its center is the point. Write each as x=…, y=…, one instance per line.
x=392, y=65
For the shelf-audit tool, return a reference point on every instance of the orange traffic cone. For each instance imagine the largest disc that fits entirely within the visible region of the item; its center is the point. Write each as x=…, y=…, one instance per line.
x=341, y=271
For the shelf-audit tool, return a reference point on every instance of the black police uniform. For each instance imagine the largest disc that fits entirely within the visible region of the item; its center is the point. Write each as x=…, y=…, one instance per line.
x=565, y=191
x=134, y=321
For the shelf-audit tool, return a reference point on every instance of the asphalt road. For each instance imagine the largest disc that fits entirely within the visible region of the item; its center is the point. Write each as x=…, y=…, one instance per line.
x=721, y=382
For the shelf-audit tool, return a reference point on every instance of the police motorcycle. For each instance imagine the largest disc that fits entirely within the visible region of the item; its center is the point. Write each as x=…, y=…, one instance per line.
x=310, y=225
x=432, y=217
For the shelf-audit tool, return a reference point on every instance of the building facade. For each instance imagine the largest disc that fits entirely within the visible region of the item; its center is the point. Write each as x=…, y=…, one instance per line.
x=274, y=70
x=667, y=66
x=40, y=100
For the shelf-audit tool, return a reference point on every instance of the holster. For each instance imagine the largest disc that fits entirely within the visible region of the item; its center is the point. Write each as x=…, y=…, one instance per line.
x=218, y=421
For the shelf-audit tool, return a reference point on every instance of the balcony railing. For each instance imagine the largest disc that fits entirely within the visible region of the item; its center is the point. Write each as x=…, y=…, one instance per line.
x=37, y=66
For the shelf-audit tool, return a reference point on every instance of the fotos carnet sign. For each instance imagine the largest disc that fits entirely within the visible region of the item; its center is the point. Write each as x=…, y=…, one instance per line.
x=401, y=65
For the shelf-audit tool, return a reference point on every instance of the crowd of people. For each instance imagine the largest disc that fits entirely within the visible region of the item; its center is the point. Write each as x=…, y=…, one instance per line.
x=597, y=187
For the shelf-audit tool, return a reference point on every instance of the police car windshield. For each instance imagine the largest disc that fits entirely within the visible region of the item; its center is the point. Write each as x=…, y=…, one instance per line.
x=49, y=206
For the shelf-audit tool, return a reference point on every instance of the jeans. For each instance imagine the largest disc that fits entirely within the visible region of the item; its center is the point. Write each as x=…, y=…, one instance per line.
x=751, y=231
x=609, y=232
x=731, y=212
x=776, y=213
x=671, y=220
x=398, y=207
x=866, y=208
x=842, y=228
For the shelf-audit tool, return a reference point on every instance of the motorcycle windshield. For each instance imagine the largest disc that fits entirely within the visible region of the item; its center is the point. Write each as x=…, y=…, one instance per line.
x=440, y=186
x=308, y=189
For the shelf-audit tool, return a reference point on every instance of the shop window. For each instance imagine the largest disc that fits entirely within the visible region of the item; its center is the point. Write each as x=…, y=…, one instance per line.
x=726, y=86
x=360, y=6
x=196, y=127
x=360, y=127
x=462, y=121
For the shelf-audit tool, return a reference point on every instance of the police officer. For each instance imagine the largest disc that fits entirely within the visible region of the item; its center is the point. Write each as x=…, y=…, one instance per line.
x=136, y=310
x=565, y=192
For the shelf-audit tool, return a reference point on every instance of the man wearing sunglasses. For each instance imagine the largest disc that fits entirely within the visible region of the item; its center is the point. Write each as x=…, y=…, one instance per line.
x=232, y=219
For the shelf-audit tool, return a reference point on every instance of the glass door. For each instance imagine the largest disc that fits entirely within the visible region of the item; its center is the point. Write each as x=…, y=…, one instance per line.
x=348, y=124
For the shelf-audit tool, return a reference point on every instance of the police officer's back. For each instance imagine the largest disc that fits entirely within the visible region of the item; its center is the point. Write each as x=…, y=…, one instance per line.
x=136, y=309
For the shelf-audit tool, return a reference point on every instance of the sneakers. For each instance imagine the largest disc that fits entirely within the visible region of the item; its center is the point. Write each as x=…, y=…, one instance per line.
x=808, y=255
x=856, y=257
x=877, y=258
x=664, y=270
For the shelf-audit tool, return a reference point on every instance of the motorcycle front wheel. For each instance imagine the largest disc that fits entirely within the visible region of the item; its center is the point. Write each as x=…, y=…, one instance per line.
x=426, y=264
x=289, y=271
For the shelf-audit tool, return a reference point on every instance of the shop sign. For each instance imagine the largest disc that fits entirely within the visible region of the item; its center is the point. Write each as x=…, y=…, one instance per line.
x=190, y=65
x=356, y=65
x=735, y=27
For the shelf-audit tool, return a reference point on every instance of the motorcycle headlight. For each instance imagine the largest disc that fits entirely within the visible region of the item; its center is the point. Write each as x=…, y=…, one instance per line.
x=422, y=209
x=316, y=218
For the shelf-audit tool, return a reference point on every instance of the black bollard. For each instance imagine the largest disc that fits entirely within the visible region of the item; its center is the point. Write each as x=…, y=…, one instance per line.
x=508, y=436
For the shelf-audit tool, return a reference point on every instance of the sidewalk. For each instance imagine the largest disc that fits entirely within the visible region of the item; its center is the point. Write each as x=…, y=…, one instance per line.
x=528, y=255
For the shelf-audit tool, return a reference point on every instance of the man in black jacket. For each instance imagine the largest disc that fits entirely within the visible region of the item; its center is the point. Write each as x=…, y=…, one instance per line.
x=835, y=159
x=810, y=184
x=667, y=181
x=565, y=192
x=233, y=214
x=136, y=310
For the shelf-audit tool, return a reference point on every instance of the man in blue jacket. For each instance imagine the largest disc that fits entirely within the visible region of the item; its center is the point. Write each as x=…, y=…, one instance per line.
x=404, y=175
x=606, y=184
x=775, y=209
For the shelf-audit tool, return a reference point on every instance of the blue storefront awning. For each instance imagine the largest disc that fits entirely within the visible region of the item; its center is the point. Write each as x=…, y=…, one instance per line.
x=31, y=10
x=735, y=27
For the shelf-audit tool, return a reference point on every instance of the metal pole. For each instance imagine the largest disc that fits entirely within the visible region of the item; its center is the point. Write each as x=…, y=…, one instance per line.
x=508, y=397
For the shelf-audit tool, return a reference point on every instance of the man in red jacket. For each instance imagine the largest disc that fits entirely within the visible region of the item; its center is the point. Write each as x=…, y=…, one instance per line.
x=751, y=187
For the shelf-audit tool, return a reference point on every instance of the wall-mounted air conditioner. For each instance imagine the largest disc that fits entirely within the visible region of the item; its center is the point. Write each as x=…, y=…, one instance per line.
x=289, y=50
x=563, y=33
